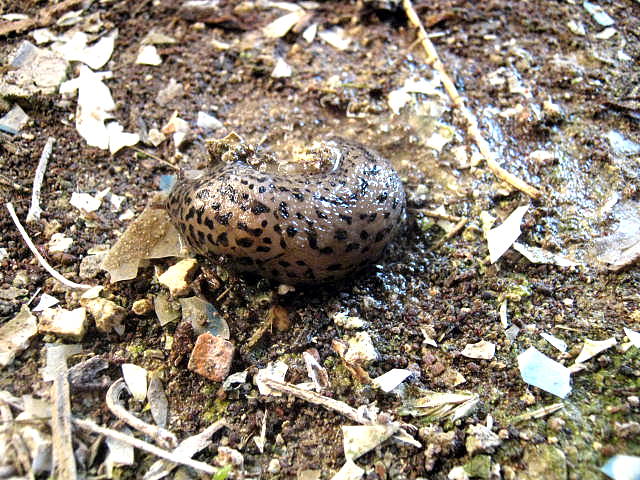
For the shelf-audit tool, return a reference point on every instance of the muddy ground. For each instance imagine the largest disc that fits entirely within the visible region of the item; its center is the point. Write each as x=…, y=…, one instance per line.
x=500, y=54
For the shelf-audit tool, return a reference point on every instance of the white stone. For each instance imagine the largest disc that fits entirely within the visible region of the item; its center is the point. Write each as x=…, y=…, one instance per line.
x=361, y=349
x=70, y=324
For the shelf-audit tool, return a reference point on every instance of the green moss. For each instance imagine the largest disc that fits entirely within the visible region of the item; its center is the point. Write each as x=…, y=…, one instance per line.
x=215, y=410
x=136, y=351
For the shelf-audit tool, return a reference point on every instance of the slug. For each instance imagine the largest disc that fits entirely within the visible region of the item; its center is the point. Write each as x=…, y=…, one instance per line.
x=297, y=228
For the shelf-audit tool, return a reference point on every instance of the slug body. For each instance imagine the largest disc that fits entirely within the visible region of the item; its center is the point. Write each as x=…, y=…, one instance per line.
x=297, y=228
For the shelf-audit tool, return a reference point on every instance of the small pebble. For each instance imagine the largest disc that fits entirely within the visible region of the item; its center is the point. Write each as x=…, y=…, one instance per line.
x=107, y=314
x=211, y=357
x=177, y=278
x=70, y=324
x=144, y=306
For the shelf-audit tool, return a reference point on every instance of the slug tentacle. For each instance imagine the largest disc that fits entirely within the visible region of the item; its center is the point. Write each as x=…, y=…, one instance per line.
x=293, y=228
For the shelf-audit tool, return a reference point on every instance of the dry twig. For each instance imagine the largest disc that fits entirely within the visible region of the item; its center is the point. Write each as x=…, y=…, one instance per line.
x=155, y=157
x=163, y=437
x=362, y=416
x=34, y=210
x=452, y=233
x=39, y=257
x=434, y=214
x=472, y=123
x=186, y=449
x=63, y=457
x=142, y=445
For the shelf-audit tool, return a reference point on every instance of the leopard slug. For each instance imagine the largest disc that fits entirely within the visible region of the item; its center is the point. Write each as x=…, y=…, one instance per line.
x=297, y=228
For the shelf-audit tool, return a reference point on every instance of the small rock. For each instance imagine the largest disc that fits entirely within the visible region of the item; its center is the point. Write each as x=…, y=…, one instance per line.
x=458, y=473
x=16, y=334
x=12, y=293
x=627, y=430
x=171, y=91
x=90, y=266
x=178, y=277
x=274, y=466
x=279, y=318
x=229, y=456
x=148, y=55
x=437, y=368
x=142, y=307
x=480, y=439
x=344, y=320
x=208, y=122
x=50, y=228
x=544, y=462
x=156, y=137
x=86, y=374
x=211, y=357
x=107, y=314
x=70, y=324
x=482, y=350
x=178, y=128
x=439, y=444
x=59, y=243
x=22, y=279
x=361, y=349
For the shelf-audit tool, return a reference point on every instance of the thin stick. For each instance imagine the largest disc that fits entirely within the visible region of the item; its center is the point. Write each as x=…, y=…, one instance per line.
x=187, y=449
x=40, y=258
x=312, y=397
x=472, y=123
x=223, y=294
x=155, y=157
x=64, y=460
x=34, y=210
x=163, y=437
x=357, y=415
x=452, y=233
x=142, y=445
x=434, y=214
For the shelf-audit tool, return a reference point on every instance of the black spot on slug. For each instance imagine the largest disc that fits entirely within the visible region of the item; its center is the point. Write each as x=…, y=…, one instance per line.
x=258, y=207
x=245, y=242
x=291, y=231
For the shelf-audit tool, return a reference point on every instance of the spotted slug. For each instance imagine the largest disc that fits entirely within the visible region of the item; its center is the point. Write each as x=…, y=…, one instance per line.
x=297, y=228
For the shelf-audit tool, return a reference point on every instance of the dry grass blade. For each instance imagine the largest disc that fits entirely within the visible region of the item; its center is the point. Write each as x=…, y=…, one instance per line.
x=34, y=210
x=39, y=257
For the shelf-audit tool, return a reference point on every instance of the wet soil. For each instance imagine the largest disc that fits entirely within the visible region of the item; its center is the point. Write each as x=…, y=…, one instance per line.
x=452, y=293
